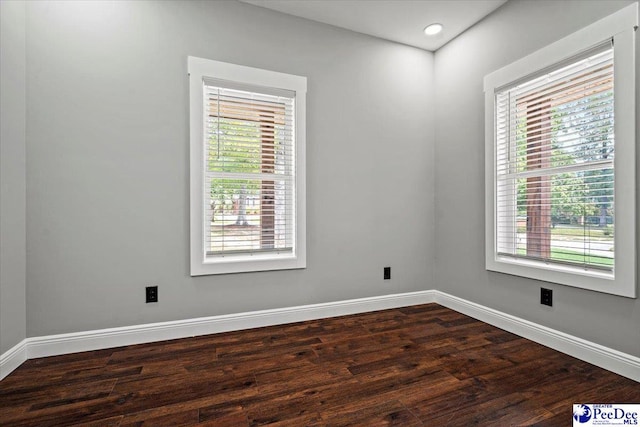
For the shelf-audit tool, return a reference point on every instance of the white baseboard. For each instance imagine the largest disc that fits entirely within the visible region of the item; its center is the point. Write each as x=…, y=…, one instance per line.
x=138, y=334
x=13, y=358
x=613, y=360
x=604, y=357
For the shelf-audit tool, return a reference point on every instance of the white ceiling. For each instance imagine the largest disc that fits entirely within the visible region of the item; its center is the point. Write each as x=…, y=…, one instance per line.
x=401, y=21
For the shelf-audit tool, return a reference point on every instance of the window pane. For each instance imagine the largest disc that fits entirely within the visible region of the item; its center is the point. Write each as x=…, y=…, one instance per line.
x=248, y=215
x=234, y=146
x=248, y=135
x=578, y=223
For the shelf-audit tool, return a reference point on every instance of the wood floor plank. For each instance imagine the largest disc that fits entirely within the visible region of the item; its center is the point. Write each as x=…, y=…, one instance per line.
x=296, y=379
x=446, y=402
x=107, y=422
x=284, y=409
x=223, y=416
x=58, y=394
x=301, y=358
x=515, y=409
x=423, y=365
x=336, y=350
x=176, y=419
x=371, y=412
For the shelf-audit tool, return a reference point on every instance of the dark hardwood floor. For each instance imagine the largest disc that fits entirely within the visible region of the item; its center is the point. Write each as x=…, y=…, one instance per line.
x=415, y=366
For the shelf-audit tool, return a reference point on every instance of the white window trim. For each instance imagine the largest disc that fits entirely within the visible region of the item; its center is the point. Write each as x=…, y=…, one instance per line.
x=200, y=263
x=621, y=27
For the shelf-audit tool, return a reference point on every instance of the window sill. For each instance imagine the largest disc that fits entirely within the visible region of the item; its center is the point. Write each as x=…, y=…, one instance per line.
x=575, y=276
x=247, y=263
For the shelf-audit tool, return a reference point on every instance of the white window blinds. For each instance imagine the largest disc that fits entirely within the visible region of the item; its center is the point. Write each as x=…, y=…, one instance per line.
x=249, y=169
x=554, y=164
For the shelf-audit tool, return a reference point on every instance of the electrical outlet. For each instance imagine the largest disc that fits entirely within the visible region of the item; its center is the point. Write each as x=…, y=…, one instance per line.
x=152, y=294
x=387, y=273
x=546, y=297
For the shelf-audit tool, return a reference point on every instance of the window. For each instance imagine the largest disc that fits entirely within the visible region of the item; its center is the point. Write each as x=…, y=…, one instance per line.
x=560, y=166
x=555, y=153
x=247, y=168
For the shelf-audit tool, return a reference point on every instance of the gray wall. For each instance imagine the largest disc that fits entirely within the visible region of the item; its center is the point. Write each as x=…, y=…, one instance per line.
x=12, y=175
x=107, y=169
x=515, y=30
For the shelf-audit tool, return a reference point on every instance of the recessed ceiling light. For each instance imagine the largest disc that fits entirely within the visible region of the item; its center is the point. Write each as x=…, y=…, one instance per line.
x=433, y=29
